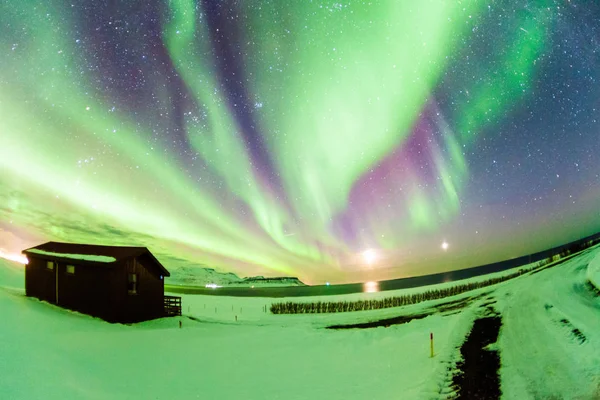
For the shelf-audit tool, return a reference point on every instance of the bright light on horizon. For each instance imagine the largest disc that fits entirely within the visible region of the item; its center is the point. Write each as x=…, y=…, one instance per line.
x=445, y=245
x=21, y=259
x=213, y=285
x=370, y=256
x=371, y=287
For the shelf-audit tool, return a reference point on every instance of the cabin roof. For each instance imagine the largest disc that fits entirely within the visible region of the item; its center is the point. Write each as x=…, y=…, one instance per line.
x=91, y=253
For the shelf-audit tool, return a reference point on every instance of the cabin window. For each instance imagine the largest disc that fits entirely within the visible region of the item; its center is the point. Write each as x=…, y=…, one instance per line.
x=132, y=283
x=50, y=265
x=70, y=269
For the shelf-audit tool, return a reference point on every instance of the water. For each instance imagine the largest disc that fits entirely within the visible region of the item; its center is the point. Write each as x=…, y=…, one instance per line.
x=394, y=284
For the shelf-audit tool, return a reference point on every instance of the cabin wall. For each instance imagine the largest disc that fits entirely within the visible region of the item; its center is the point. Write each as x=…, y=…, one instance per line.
x=39, y=281
x=86, y=290
x=148, y=301
x=98, y=290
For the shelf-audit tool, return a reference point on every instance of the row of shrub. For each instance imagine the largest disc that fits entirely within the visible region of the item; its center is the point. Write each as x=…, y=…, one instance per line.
x=397, y=301
x=319, y=307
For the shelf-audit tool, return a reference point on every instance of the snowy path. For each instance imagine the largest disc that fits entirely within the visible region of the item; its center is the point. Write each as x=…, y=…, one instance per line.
x=550, y=339
x=476, y=374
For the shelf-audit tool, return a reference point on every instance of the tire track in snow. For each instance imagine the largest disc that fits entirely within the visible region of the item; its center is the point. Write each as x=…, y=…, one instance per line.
x=477, y=375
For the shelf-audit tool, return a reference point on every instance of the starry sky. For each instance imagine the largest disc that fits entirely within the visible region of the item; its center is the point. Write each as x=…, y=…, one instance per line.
x=333, y=141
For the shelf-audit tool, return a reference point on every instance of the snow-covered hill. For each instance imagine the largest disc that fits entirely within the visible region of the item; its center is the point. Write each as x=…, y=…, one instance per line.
x=202, y=276
x=278, y=281
x=12, y=274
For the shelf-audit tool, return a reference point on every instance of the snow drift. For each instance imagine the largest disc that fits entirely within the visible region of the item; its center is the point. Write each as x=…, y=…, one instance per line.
x=593, y=272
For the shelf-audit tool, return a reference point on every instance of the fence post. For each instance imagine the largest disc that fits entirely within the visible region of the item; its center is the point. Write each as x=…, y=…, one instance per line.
x=431, y=344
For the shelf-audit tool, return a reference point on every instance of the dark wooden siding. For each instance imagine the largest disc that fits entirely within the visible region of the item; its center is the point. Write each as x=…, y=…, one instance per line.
x=39, y=281
x=100, y=290
x=148, y=302
x=85, y=290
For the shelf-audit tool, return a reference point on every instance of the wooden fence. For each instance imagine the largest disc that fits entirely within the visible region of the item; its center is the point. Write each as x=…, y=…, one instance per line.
x=172, y=305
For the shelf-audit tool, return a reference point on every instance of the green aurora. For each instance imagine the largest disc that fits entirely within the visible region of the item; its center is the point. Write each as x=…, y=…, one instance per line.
x=279, y=139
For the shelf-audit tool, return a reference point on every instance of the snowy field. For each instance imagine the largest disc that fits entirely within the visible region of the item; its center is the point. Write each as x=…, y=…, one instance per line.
x=252, y=309
x=548, y=346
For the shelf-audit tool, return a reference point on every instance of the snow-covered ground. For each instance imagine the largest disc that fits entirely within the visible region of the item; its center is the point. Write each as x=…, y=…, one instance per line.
x=252, y=309
x=12, y=276
x=550, y=339
x=593, y=272
x=47, y=352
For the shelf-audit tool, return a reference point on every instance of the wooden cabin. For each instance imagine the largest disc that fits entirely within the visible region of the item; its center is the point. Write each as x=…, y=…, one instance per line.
x=115, y=283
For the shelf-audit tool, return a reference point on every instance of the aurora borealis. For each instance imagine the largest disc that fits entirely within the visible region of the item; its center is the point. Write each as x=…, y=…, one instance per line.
x=289, y=138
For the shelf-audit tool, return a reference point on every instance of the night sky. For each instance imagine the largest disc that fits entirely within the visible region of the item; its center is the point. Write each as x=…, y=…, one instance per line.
x=333, y=141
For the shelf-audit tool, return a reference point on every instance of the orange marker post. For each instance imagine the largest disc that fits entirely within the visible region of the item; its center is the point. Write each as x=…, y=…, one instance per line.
x=431, y=344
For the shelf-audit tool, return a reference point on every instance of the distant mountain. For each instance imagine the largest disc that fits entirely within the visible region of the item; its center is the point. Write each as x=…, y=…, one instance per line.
x=203, y=276
x=278, y=281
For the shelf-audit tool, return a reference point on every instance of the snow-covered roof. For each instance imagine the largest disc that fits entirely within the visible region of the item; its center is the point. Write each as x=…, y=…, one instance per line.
x=84, y=257
x=93, y=253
